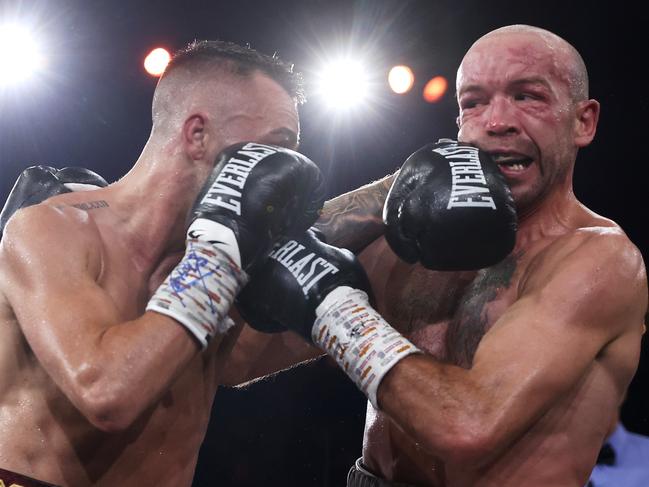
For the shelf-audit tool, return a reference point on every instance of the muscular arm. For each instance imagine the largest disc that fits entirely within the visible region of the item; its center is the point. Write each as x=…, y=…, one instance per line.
x=581, y=297
x=354, y=220
x=110, y=369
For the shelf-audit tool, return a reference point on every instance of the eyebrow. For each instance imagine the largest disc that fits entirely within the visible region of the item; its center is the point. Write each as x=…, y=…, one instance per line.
x=469, y=89
x=535, y=80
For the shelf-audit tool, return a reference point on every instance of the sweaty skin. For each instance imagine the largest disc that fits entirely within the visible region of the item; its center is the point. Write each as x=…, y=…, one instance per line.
x=93, y=390
x=527, y=360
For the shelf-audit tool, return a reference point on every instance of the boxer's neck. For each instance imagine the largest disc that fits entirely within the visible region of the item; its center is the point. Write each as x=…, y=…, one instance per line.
x=558, y=213
x=152, y=203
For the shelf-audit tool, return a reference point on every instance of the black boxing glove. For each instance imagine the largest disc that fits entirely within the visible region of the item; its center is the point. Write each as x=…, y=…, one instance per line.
x=260, y=192
x=450, y=209
x=256, y=194
x=321, y=292
x=284, y=292
x=38, y=183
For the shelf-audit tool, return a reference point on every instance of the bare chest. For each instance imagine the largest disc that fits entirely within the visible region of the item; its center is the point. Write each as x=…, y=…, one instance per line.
x=444, y=313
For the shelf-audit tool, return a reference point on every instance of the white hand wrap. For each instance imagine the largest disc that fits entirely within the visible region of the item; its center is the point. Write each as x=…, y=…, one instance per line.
x=199, y=291
x=358, y=338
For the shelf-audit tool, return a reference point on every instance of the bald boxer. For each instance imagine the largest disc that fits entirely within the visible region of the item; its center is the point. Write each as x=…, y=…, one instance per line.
x=114, y=301
x=505, y=376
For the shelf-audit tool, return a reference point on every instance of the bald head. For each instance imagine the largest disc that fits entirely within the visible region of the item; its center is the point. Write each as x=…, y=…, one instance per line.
x=567, y=61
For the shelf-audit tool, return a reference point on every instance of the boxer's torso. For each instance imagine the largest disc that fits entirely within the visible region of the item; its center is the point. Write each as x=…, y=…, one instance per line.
x=446, y=314
x=45, y=436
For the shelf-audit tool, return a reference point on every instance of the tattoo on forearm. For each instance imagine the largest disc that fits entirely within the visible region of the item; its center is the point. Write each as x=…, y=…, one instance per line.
x=91, y=205
x=353, y=220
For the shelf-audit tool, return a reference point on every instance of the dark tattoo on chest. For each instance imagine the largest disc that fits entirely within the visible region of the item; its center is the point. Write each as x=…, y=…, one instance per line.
x=471, y=320
x=91, y=205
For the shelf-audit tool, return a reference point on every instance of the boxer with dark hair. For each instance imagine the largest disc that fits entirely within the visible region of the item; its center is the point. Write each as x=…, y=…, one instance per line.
x=504, y=376
x=114, y=302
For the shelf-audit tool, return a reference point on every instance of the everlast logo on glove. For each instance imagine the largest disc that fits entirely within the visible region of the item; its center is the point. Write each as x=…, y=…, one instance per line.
x=318, y=267
x=480, y=230
x=468, y=180
x=234, y=175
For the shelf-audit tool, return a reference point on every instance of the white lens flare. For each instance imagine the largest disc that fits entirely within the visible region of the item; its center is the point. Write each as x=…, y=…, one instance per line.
x=401, y=79
x=20, y=56
x=343, y=84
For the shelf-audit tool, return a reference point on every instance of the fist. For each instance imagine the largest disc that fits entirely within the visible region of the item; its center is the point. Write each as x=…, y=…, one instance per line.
x=298, y=274
x=450, y=209
x=256, y=194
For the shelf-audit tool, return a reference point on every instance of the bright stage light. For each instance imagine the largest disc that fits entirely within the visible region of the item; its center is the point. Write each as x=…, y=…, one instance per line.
x=156, y=61
x=20, y=56
x=343, y=84
x=435, y=89
x=401, y=79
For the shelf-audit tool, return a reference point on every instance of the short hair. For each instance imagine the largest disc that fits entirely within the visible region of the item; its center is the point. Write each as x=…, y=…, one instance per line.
x=239, y=60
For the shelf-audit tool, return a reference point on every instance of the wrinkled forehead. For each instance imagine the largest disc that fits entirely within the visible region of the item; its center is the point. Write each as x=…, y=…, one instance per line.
x=500, y=58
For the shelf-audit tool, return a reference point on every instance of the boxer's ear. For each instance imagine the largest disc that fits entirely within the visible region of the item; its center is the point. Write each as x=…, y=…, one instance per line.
x=194, y=136
x=586, y=117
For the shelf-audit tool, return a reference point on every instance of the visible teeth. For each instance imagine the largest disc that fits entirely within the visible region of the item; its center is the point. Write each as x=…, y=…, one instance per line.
x=517, y=167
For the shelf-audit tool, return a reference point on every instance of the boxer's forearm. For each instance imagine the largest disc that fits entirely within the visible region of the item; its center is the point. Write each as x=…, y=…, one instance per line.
x=118, y=375
x=354, y=220
x=446, y=412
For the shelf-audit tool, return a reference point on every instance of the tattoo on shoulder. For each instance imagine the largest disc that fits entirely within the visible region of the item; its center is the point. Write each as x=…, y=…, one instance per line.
x=91, y=205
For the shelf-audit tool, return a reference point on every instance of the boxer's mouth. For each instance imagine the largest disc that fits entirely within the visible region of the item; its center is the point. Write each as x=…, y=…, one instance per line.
x=511, y=163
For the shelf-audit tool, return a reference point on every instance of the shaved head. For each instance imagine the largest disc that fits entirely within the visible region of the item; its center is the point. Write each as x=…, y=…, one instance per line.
x=569, y=64
x=201, y=74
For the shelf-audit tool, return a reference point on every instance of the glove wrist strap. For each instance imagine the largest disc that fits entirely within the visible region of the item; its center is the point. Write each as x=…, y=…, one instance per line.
x=363, y=344
x=199, y=291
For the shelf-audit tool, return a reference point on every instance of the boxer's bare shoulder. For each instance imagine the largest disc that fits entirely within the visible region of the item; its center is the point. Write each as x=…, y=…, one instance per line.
x=60, y=260
x=28, y=396
x=49, y=226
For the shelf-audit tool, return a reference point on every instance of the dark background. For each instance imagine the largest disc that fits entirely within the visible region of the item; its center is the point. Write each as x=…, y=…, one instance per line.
x=304, y=427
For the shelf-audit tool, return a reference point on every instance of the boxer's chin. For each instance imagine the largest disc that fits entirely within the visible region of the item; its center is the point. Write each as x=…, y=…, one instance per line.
x=526, y=194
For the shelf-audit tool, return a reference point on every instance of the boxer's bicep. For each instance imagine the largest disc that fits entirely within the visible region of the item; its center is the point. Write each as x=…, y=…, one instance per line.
x=109, y=368
x=573, y=307
x=51, y=271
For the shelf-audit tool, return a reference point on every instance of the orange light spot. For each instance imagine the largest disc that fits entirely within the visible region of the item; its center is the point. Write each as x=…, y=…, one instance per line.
x=156, y=61
x=435, y=89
